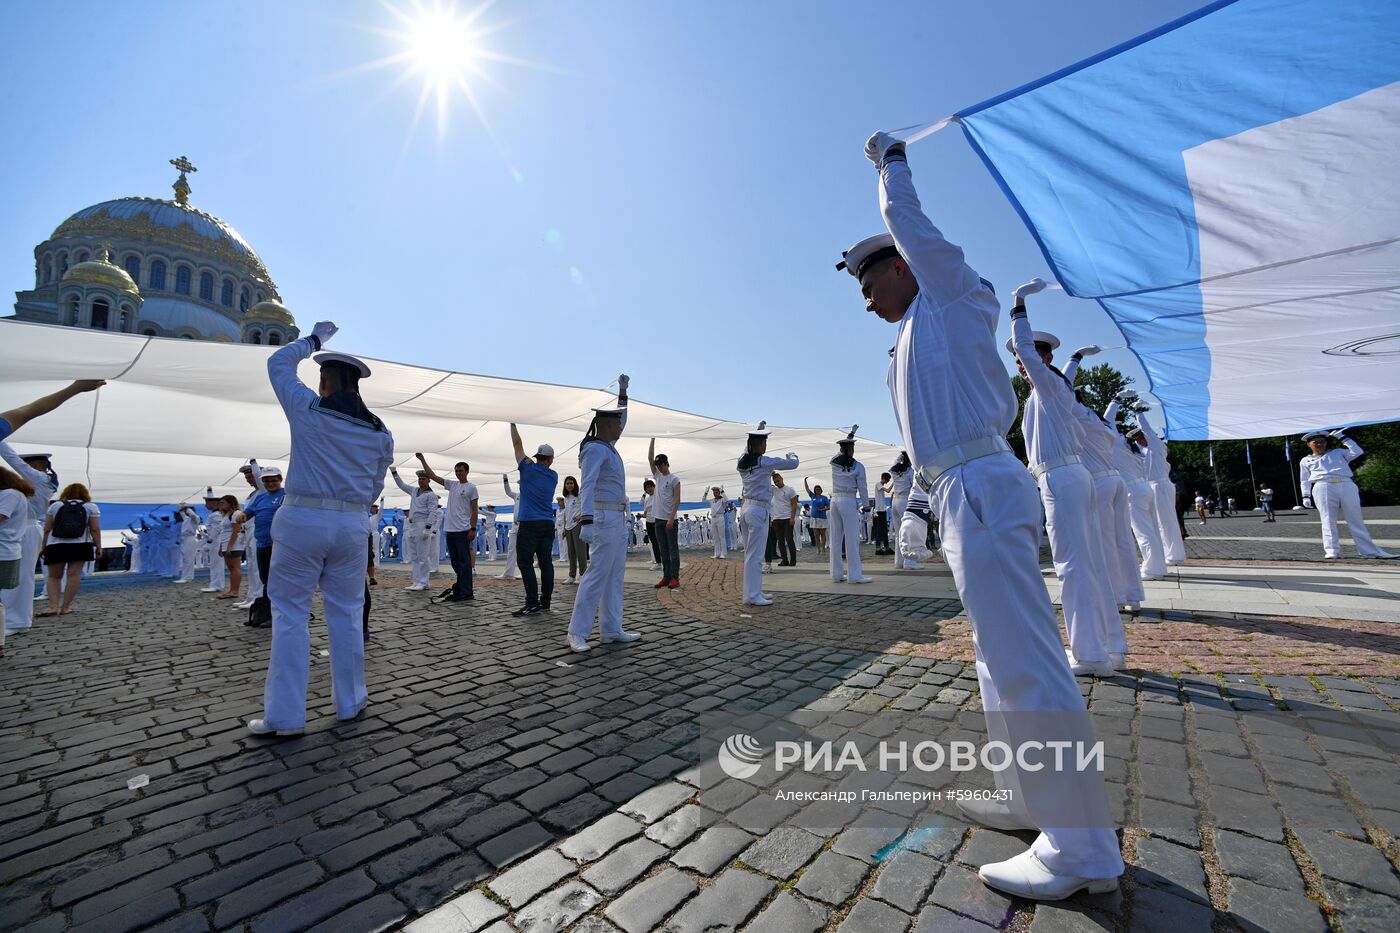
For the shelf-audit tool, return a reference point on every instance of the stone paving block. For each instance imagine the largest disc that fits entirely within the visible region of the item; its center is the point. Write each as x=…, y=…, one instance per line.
x=624, y=865
x=870, y=916
x=1261, y=862
x=1360, y=908
x=317, y=904
x=1157, y=911
x=601, y=838
x=905, y=880
x=514, y=844
x=366, y=847
x=789, y=913
x=465, y=914
x=727, y=795
x=726, y=904
x=518, y=885
x=763, y=813
x=713, y=849
x=832, y=878
x=990, y=845
x=782, y=852
x=672, y=831
x=1250, y=813
x=380, y=912
x=1355, y=863
x=963, y=892
x=148, y=886
x=1170, y=821
x=433, y=886
x=657, y=802
x=1257, y=908
x=1068, y=918
x=645, y=905
x=557, y=909
x=1171, y=868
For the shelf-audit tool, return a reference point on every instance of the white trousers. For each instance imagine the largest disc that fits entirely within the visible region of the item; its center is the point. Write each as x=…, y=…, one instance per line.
x=422, y=552
x=1341, y=500
x=755, y=541
x=1164, y=493
x=218, y=570
x=187, y=548
x=600, y=589
x=315, y=547
x=845, y=526
x=1086, y=595
x=511, y=571
x=490, y=540
x=898, y=506
x=256, y=586
x=1116, y=537
x=1142, y=513
x=717, y=536
x=19, y=602
x=989, y=522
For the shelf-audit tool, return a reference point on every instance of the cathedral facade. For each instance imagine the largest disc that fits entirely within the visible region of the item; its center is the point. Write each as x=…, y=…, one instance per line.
x=155, y=268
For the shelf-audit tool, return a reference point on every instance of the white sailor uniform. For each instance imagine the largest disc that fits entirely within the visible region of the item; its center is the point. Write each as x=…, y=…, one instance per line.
x=19, y=600
x=1164, y=494
x=954, y=405
x=901, y=484
x=189, y=527
x=848, y=494
x=603, y=491
x=511, y=570
x=335, y=472
x=1142, y=503
x=420, y=540
x=756, y=474
x=216, y=533
x=1326, y=479
x=717, y=510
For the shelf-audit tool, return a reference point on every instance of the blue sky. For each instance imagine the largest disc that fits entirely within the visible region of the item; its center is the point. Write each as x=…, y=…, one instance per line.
x=664, y=191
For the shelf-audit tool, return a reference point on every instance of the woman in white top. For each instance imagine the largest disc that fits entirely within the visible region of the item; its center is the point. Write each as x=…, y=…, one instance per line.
x=15, y=491
x=223, y=562
x=571, y=506
x=70, y=540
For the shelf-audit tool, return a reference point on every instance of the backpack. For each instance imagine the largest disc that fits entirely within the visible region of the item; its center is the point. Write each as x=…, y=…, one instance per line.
x=71, y=520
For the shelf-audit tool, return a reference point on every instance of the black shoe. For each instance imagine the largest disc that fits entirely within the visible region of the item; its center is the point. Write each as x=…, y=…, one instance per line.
x=464, y=599
x=446, y=596
x=525, y=611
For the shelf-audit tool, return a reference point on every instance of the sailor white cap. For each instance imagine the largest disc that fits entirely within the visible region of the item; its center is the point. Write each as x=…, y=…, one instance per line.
x=1312, y=434
x=610, y=411
x=421, y=473
x=1041, y=336
x=871, y=249
x=544, y=450
x=850, y=437
x=343, y=358
x=271, y=471
x=246, y=468
x=761, y=430
x=44, y=455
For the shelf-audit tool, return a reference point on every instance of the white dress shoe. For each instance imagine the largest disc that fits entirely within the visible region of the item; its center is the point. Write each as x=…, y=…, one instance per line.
x=995, y=815
x=260, y=727
x=860, y=580
x=1118, y=661
x=210, y=589
x=619, y=637
x=578, y=644
x=416, y=588
x=913, y=565
x=761, y=601
x=1082, y=668
x=1132, y=605
x=1026, y=876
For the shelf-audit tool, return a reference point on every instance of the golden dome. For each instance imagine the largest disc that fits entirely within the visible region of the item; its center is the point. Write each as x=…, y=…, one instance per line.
x=270, y=311
x=103, y=274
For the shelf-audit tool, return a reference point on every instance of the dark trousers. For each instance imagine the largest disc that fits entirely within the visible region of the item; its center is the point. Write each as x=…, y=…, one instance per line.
x=669, y=541
x=459, y=554
x=654, y=537
x=781, y=543
x=880, y=531
x=534, y=541
x=265, y=565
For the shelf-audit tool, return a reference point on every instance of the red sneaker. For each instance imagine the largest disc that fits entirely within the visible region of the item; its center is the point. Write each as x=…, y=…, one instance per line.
x=665, y=582
x=673, y=584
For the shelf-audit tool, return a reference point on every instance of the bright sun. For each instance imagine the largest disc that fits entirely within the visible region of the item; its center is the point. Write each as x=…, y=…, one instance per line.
x=440, y=45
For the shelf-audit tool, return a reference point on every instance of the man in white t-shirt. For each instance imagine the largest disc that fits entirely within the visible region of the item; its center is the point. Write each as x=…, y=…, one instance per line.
x=782, y=514
x=664, y=505
x=459, y=527
x=649, y=520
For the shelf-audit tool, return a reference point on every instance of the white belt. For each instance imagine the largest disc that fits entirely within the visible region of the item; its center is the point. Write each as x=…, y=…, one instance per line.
x=1333, y=479
x=329, y=505
x=843, y=495
x=610, y=506
x=1105, y=473
x=1040, y=469
x=956, y=456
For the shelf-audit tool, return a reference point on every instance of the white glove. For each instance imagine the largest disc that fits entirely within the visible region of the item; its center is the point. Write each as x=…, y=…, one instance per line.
x=324, y=331
x=1141, y=407
x=585, y=533
x=1035, y=285
x=1338, y=433
x=913, y=537
x=622, y=382
x=879, y=145
x=1092, y=349
x=1127, y=394
x=1307, y=502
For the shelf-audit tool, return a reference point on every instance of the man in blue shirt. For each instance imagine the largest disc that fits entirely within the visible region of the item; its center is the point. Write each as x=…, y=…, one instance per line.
x=260, y=511
x=535, y=524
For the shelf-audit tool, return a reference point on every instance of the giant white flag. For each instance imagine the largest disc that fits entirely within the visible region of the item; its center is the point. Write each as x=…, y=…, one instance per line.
x=179, y=415
x=1228, y=188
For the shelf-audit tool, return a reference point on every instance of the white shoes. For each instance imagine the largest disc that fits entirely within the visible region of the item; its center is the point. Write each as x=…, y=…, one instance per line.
x=995, y=815
x=1324, y=557
x=571, y=582
x=417, y=588
x=260, y=727
x=1026, y=876
x=1119, y=662
x=860, y=580
x=578, y=644
x=654, y=567
x=913, y=565
x=767, y=568
x=1081, y=668
x=622, y=637
x=764, y=600
x=1132, y=605
x=210, y=589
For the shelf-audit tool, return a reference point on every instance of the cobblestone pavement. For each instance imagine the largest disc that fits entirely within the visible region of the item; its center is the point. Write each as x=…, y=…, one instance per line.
x=498, y=781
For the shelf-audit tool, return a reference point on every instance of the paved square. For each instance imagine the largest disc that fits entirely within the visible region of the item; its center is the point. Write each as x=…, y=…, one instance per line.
x=499, y=781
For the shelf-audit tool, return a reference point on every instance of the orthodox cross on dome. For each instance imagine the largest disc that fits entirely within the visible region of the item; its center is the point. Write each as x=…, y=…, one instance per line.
x=182, y=184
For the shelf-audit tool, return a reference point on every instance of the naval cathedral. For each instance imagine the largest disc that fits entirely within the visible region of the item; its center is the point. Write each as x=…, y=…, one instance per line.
x=158, y=269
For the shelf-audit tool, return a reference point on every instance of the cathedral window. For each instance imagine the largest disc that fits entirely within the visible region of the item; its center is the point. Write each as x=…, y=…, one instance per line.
x=133, y=268
x=62, y=264
x=158, y=275
x=83, y=256
x=148, y=332
x=99, y=315
x=226, y=293
x=274, y=340
x=48, y=270
x=182, y=280
x=72, y=317
x=255, y=337
x=206, y=286
x=243, y=299
x=124, y=321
